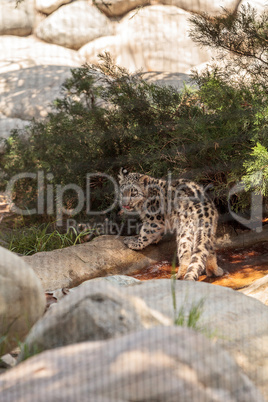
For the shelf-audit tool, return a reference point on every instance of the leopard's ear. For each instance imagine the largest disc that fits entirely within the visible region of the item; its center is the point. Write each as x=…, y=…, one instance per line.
x=123, y=172
x=145, y=181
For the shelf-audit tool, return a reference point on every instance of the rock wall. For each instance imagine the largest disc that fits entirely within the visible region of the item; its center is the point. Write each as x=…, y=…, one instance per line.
x=41, y=39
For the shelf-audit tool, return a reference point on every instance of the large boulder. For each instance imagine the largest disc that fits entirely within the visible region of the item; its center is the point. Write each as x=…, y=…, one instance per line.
x=258, y=290
x=22, y=300
x=237, y=322
x=159, y=364
x=259, y=5
x=123, y=57
x=161, y=78
x=112, y=44
x=95, y=311
x=49, y=6
x=157, y=39
x=116, y=8
x=18, y=53
x=16, y=19
x=28, y=93
x=73, y=25
x=232, y=320
x=212, y=7
x=105, y=255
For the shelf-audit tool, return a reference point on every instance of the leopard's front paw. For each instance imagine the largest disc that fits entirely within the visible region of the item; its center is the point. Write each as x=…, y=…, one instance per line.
x=132, y=242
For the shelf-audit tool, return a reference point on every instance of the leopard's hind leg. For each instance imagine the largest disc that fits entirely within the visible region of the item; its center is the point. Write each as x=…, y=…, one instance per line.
x=184, y=251
x=212, y=268
x=203, y=258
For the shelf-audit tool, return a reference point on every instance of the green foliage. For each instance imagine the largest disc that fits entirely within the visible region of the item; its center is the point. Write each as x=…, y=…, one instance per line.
x=190, y=320
x=256, y=167
x=146, y=127
x=241, y=89
x=30, y=240
x=28, y=351
x=3, y=339
x=243, y=33
x=181, y=318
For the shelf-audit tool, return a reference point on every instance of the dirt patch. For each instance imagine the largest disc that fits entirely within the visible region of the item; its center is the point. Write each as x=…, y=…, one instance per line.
x=242, y=265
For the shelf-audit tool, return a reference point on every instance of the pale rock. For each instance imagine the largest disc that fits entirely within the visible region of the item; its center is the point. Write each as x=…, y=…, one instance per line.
x=160, y=364
x=95, y=311
x=236, y=322
x=175, y=80
x=17, y=53
x=74, y=25
x=28, y=92
x=211, y=7
x=17, y=20
x=122, y=57
x=22, y=300
x=116, y=280
x=103, y=256
x=7, y=361
x=111, y=44
x=259, y=5
x=49, y=6
x=258, y=290
x=115, y=8
x=156, y=38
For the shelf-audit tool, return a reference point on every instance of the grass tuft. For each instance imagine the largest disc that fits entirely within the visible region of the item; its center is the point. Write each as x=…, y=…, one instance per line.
x=34, y=239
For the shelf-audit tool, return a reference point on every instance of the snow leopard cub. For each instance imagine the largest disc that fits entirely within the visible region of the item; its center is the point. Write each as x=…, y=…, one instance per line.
x=179, y=205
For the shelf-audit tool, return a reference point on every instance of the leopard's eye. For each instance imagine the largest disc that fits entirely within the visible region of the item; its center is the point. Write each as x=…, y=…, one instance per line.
x=133, y=192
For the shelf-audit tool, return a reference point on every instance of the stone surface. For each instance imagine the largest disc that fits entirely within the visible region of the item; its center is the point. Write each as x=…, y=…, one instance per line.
x=167, y=48
x=48, y=6
x=119, y=7
x=27, y=93
x=95, y=311
x=176, y=80
x=74, y=25
x=16, y=20
x=123, y=57
x=111, y=44
x=18, y=53
x=237, y=322
x=103, y=256
x=212, y=7
x=259, y=5
x=7, y=361
x=116, y=280
x=258, y=290
x=22, y=300
x=159, y=364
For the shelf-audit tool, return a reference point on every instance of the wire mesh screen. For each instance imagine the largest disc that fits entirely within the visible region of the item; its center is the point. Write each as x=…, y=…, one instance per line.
x=130, y=131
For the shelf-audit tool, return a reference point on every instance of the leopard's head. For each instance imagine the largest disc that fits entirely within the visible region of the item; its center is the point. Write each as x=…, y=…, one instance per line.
x=133, y=190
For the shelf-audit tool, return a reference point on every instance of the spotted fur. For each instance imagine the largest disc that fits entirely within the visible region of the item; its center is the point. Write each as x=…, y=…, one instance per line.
x=180, y=205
